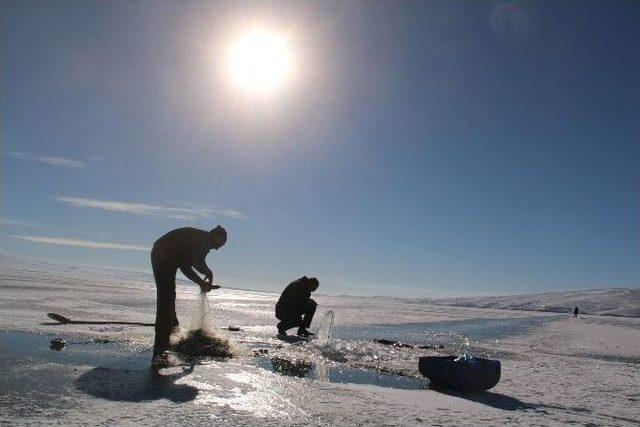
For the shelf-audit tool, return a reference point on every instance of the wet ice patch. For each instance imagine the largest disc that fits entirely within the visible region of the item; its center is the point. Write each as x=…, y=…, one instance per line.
x=255, y=393
x=321, y=370
x=22, y=347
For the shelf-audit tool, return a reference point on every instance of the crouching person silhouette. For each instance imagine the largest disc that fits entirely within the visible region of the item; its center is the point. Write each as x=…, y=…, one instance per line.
x=295, y=306
x=184, y=249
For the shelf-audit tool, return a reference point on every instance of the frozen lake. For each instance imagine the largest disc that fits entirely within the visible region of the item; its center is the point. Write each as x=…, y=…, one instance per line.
x=555, y=369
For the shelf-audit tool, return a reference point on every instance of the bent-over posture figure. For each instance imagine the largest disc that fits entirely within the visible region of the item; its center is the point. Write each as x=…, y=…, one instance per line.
x=184, y=249
x=295, y=306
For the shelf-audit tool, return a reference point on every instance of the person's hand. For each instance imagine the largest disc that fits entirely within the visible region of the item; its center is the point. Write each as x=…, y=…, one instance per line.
x=208, y=287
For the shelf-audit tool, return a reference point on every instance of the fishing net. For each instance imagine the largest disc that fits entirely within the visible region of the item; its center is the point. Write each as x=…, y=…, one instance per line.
x=202, y=340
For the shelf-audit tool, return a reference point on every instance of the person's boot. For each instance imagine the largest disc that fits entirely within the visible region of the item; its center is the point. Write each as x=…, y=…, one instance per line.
x=160, y=361
x=302, y=332
x=281, y=332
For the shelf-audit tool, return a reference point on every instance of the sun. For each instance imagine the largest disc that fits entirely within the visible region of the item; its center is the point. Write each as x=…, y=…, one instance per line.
x=260, y=61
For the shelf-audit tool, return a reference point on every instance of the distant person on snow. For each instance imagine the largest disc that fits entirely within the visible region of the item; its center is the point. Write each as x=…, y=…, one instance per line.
x=295, y=306
x=184, y=249
x=575, y=312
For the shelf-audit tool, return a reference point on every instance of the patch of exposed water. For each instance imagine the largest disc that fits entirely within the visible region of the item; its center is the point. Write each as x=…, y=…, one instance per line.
x=27, y=349
x=337, y=373
x=23, y=347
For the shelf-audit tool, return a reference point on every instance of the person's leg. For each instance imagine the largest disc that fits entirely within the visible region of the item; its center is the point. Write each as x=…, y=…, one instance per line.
x=309, y=312
x=288, y=322
x=165, y=310
x=174, y=318
x=163, y=320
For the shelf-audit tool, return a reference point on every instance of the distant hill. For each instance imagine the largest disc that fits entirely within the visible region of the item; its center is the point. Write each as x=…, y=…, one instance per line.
x=604, y=302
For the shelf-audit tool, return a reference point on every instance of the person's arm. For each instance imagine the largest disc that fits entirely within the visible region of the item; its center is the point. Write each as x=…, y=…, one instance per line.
x=199, y=260
x=301, y=297
x=202, y=268
x=191, y=275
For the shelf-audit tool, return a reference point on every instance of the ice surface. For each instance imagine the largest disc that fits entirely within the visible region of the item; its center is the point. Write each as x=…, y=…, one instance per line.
x=556, y=371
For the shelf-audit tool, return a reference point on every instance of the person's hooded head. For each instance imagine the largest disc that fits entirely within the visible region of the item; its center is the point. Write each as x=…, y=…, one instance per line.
x=218, y=237
x=312, y=283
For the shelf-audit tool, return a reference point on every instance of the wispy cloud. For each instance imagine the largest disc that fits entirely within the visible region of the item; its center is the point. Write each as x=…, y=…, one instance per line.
x=82, y=243
x=20, y=223
x=228, y=213
x=149, y=210
x=50, y=160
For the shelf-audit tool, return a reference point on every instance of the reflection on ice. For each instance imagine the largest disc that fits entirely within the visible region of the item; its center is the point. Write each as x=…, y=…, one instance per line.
x=254, y=393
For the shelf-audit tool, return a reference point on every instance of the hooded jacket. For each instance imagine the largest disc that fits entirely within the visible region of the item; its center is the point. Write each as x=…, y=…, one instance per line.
x=295, y=296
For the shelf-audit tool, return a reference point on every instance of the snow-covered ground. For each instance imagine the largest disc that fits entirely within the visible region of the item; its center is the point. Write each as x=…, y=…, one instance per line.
x=561, y=371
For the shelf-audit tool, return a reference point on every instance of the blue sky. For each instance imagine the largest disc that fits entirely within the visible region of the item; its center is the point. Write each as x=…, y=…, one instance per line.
x=422, y=148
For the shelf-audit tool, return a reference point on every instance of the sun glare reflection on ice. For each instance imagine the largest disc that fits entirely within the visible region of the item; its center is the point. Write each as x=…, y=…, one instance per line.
x=260, y=61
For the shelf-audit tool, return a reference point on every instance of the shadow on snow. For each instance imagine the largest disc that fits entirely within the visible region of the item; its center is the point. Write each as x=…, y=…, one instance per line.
x=136, y=385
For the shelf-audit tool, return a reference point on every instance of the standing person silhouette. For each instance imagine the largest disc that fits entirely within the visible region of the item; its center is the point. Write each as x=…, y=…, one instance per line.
x=295, y=306
x=185, y=249
x=575, y=312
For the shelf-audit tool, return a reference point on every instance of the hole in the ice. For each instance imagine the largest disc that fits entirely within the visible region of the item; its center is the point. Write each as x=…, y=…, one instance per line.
x=336, y=373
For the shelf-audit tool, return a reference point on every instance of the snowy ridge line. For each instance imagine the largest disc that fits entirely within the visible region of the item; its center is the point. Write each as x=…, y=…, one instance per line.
x=620, y=302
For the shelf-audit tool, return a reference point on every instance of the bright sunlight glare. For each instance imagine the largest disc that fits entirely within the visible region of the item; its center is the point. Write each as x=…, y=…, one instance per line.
x=260, y=61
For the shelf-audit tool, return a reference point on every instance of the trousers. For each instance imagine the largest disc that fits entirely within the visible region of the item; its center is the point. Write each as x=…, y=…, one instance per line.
x=300, y=318
x=166, y=319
